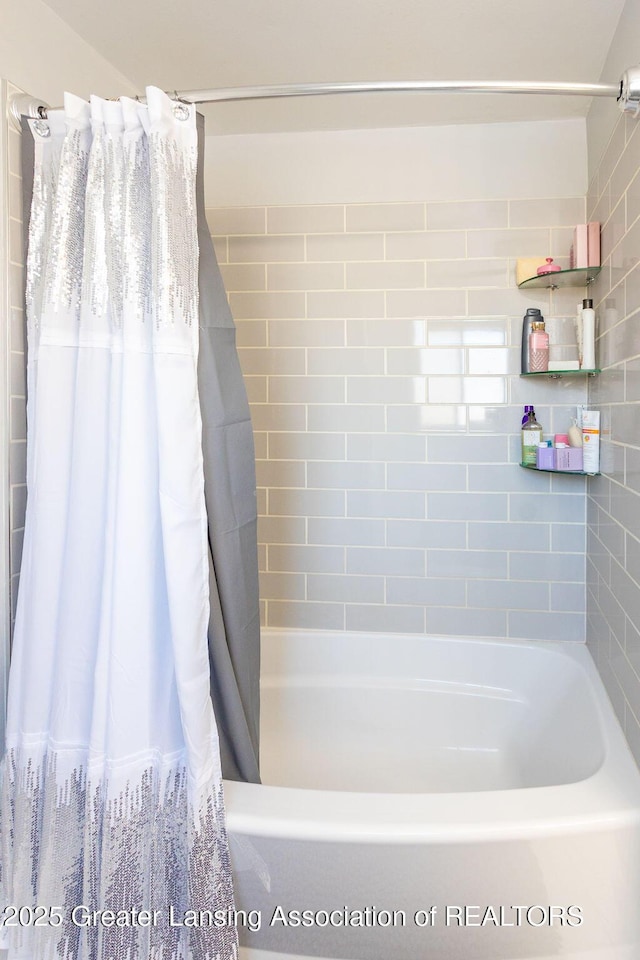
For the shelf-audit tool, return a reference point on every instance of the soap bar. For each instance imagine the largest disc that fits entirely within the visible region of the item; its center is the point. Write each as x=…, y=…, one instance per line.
x=564, y=365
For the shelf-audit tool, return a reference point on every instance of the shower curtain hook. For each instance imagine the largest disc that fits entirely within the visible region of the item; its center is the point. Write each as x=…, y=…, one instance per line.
x=181, y=108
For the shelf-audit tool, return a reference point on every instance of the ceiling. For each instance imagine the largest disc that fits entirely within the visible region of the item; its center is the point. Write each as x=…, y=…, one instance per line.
x=197, y=44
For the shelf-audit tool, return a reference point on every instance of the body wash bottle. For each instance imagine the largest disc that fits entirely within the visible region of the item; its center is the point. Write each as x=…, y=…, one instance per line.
x=531, y=437
x=538, y=348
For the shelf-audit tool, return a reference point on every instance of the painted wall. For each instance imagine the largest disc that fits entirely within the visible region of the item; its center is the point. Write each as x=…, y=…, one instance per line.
x=371, y=275
x=416, y=164
x=604, y=112
x=43, y=56
x=613, y=544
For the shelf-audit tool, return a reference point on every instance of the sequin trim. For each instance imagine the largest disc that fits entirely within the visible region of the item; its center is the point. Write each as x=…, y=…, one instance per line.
x=139, y=850
x=63, y=277
x=136, y=280
x=45, y=179
x=175, y=242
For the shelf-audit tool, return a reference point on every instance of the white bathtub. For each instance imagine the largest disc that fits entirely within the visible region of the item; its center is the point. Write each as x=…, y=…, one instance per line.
x=488, y=780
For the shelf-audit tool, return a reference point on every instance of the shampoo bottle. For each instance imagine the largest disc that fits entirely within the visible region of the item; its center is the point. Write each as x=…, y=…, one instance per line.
x=532, y=316
x=588, y=335
x=531, y=438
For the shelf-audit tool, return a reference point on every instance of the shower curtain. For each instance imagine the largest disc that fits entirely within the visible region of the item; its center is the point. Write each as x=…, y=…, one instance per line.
x=230, y=493
x=111, y=794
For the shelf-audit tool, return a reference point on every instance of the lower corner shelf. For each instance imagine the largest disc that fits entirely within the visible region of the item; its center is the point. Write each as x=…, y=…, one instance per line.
x=576, y=473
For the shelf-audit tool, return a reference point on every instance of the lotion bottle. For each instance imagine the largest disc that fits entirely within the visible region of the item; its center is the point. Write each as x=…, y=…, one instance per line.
x=590, y=440
x=588, y=335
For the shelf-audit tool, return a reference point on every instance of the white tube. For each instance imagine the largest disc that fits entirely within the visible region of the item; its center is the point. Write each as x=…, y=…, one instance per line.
x=578, y=325
x=591, y=441
x=588, y=336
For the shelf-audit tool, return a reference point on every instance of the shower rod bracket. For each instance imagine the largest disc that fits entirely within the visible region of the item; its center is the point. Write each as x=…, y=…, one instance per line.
x=22, y=105
x=627, y=92
x=629, y=96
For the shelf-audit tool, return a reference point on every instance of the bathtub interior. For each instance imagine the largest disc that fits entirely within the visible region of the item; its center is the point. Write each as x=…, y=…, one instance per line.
x=404, y=714
x=394, y=768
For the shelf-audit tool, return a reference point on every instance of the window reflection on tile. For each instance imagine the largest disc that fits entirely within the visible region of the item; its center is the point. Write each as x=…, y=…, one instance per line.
x=468, y=332
x=487, y=360
x=489, y=419
x=367, y=332
x=467, y=389
x=430, y=360
x=386, y=390
x=426, y=417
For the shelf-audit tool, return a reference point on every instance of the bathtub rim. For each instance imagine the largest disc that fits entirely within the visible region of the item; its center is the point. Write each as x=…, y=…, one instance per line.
x=607, y=799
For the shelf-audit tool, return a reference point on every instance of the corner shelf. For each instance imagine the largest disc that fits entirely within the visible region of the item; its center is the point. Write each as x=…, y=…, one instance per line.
x=576, y=473
x=580, y=277
x=558, y=374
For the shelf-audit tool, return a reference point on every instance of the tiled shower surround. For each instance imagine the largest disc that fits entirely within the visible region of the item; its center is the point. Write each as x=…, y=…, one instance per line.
x=613, y=543
x=17, y=362
x=381, y=349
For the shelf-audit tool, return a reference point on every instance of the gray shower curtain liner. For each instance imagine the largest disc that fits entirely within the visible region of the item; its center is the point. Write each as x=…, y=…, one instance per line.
x=230, y=494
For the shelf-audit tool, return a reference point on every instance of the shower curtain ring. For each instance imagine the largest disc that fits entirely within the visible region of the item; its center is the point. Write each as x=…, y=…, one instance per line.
x=181, y=108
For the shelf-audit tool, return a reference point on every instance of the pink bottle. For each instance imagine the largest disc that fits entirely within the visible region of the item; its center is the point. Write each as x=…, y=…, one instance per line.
x=538, y=349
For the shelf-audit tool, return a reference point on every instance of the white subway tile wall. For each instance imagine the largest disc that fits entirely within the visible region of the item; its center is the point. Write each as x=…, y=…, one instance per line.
x=381, y=348
x=613, y=505
x=17, y=361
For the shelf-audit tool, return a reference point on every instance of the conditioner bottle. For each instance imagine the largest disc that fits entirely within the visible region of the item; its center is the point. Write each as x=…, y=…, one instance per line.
x=588, y=335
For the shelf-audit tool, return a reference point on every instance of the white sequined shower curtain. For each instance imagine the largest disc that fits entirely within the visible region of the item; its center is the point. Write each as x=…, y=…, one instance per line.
x=111, y=794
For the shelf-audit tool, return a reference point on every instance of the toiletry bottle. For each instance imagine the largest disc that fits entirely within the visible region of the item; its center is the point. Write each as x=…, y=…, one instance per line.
x=531, y=438
x=590, y=440
x=531, y=316
x=588, y=335
x=578, y=325
x=538, y=348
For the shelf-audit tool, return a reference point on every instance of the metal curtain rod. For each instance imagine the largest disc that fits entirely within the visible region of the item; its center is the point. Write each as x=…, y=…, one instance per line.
x=627, y=91
x=397, y=86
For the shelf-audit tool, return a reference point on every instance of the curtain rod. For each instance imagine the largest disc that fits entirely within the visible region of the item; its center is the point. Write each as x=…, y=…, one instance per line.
x=397, y=86
x=627, y=91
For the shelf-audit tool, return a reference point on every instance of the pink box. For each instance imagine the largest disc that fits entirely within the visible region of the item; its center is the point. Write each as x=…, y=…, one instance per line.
x=546, y=458
x=578, y=255
x=569, y=458
x=593, y=243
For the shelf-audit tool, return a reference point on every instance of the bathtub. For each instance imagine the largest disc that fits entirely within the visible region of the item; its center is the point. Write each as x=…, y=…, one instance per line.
x=436, y=799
